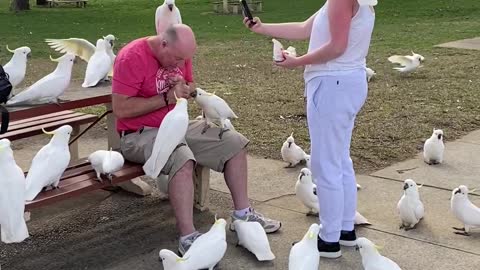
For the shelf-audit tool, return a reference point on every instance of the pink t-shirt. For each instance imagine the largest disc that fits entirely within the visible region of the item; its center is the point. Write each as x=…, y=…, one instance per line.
x=137, y=73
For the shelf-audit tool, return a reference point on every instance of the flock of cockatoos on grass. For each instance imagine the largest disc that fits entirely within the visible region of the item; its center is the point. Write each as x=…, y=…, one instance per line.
x=51, y=161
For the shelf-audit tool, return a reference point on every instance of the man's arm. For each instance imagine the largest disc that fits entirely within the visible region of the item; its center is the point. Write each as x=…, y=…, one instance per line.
x=128, y=107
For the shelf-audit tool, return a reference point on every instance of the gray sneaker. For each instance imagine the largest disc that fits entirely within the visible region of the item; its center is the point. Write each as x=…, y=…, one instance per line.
x=184, y=245
x=269, y=225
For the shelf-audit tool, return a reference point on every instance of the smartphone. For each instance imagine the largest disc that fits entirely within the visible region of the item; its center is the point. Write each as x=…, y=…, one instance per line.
x=246, y=12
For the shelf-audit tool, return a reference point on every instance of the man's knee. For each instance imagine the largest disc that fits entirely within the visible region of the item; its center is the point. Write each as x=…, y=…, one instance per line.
x=186, y=171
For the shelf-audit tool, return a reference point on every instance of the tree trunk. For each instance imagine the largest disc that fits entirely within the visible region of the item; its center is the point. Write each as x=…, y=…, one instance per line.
x=19, y=5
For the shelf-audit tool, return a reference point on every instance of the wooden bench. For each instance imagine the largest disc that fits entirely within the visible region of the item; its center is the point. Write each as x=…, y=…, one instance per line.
x=80, y=178
x=79, y=3
x=25, y=128
x=234, y=7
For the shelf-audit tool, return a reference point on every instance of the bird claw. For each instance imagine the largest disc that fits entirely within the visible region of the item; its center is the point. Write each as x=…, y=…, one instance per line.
x=459, y=229
x=290, y=165
x=205, y=128
x=311, y=214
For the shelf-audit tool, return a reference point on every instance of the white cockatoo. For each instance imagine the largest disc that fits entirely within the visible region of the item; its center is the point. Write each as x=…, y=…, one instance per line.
x=106, y=162
x=166, y=15
x=17, y=66
x=98, y=66
x=409, y=63
x=304, y=255
x=306, y=192
x=371, y=258
x=215, y=109
x=464, y=210
x=433, y=148
x=49, y=163
x=170, y=135
x=367, y=2
x=292, y=153
x=49, y=88
x=253, y=237
x=83, y=48
x=12, y=197
x=214, y=241
x=370, y=73
x=410, y=207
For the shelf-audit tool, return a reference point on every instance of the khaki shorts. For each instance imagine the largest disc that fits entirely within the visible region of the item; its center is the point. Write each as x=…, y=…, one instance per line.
x=205, y=149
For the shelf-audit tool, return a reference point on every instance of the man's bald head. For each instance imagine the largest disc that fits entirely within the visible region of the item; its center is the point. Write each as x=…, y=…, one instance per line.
x=175, y=45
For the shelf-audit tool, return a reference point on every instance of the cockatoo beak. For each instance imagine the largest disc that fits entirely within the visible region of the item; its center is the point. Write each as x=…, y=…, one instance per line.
x=12, y=51
x=54, y=60
x=48, y=132
x=170, y=7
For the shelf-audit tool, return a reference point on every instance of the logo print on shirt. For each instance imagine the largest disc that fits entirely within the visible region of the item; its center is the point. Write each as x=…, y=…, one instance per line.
x=162, y=77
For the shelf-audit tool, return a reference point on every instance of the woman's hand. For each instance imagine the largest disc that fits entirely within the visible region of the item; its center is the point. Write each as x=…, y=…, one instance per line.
x=253, y=27
x=289, y=62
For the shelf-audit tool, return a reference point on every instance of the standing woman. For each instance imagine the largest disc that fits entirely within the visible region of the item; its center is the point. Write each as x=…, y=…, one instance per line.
x=336, y=89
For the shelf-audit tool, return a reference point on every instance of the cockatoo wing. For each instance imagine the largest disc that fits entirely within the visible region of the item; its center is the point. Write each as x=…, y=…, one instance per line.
x=402, y=60
x=80, y=47
x=98, y=67
x=46, y=167
x=170, y=134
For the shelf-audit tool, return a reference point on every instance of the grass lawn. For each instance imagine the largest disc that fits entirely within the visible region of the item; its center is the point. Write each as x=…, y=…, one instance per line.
x=400, y=112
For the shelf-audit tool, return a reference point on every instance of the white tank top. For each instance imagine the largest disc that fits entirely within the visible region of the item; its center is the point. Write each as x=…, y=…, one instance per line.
x=353, y=58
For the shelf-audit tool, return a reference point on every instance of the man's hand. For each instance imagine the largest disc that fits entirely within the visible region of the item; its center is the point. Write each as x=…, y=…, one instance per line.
x=180, y=88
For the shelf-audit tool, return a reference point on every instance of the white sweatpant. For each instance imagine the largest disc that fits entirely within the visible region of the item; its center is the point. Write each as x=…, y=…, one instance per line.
x=333, y=102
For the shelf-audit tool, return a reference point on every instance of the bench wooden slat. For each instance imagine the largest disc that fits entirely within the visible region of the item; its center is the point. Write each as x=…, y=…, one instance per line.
x=36, y=118
x=44, y=120
x=74, y=184
x=36, y=130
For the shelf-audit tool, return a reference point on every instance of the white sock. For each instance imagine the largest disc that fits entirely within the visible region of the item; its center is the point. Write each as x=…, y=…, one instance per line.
x=243, y=212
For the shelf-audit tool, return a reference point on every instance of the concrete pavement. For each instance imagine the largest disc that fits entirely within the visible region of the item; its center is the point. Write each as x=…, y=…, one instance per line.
x=117, y=230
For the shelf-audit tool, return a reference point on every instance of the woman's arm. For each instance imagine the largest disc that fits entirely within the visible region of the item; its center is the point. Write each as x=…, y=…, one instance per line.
x=291, y=31
x=340, y=14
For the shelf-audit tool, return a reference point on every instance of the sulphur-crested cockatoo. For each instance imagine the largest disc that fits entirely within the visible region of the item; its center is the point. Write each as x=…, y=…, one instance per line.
x=371, y=258
x=409, y=63
x=306, y=192
x=433, y=148
x=106, y=162
x=12, y=193
x=304, y=255
x=292, y=153
x=410, y=207
x=98, y=66
x=49, y=163
x=170, y=134
x=166, y=15
x=464, y=210
x=214, y=241
x=214, y=108
x=83, y=48
x=17, y=66
x=252, y=236
x=49, y=88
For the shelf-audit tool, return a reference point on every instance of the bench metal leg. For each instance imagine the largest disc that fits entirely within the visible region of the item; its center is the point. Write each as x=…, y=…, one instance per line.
x=113, y=137
x=202, y=186
x=136, y=185
x=74, y=146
